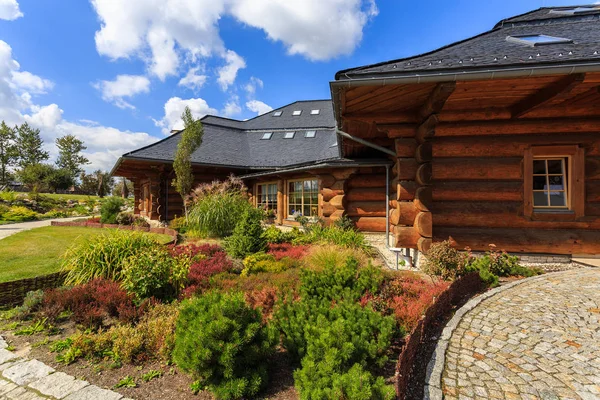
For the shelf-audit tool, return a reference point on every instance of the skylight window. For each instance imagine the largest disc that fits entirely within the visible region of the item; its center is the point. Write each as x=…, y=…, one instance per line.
x=315, y=112
x=297, y=112
x=575, y=10
x=289, y=135
x=277, y=113
x=310, y=134
x=266, y=136
x=537, y=40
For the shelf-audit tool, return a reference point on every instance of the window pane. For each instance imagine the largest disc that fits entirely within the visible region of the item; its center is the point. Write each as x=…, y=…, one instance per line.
x=307, y=211
x=298, y=186
x=540, y=199
x=539, y=183
x=558, y=199
x=555, y=166
x=556, y=182
x=539, y=167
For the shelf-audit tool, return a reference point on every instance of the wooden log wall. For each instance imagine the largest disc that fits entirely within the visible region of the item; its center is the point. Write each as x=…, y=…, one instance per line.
x=478, y=194
x=334, y=189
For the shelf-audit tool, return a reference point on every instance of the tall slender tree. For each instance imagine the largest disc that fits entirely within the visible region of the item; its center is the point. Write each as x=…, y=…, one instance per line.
x=8, y=151
x=190, y=141
x=29, y=143
x=69, y=154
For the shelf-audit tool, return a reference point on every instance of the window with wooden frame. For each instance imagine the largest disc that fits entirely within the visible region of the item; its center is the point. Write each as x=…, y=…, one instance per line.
x=266, y=196
x=303, y=198
x=554, y=182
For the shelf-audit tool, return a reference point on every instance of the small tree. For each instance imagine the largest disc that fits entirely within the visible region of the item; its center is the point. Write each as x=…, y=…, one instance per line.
x=58, y=179
x=124, y=189
x=8, y=151
x=29, y=143
x=191, y=139
x=69, y=154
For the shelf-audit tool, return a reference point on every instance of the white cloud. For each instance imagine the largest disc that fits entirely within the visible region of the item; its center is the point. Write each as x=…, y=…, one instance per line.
x=228, y=72
x=9, y=10
x=193, y=80
x=123, y=86
x=104, y=144
x=174, y=108
x=165, y=33
x=258, y=107
x=32, y=83
x=232, y=107
x=315, y=29
x=253, y=84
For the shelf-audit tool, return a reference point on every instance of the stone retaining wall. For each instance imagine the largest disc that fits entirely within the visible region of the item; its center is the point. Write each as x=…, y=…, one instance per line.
x=13, y=293
x=416, y=346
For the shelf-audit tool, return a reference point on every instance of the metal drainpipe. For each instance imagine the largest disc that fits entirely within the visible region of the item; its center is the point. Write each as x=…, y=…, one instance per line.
x=387, y=206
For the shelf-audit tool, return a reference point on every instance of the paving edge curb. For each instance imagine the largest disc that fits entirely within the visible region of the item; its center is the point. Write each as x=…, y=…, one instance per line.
x=435, y=367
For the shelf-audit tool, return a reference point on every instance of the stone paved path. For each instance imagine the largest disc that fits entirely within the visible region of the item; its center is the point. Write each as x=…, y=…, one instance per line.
x=538, y=339
x=11, y=229
x=25, y=379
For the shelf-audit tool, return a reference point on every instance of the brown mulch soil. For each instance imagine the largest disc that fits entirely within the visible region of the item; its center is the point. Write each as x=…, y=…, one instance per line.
x=172, y=385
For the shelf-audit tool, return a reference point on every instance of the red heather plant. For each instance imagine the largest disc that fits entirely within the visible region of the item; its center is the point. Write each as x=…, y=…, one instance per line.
x=91, y=303
x=202, y=270
x=406, y=299
x=282, y=250
x=264, y=299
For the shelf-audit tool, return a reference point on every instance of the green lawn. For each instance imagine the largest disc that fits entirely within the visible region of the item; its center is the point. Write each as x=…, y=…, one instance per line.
x=37, y=252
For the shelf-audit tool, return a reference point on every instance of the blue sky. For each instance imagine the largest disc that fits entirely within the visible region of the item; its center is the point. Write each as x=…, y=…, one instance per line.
x=114, y=72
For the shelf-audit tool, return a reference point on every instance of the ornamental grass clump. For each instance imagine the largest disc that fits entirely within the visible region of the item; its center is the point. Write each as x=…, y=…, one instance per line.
x=224, y=344
x=216, y=208
x=104, y=256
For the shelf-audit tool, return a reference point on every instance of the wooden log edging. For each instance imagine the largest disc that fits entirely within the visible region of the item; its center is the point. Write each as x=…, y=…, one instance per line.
x=86, y=223
x=415, y=347
x=12, y=293
x=435, y=368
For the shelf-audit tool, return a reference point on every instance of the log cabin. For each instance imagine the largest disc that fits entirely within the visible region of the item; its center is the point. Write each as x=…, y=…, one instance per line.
x=491, y=140
x=497, y=137
x=289, y=159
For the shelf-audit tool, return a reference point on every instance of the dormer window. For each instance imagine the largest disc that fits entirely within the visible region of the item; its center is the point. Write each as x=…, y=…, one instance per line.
x=315, y=112
x=297, y=112
x=277, y=113
x=266, y=136
x=537, y=40
x=310, y=134
x=289, y=135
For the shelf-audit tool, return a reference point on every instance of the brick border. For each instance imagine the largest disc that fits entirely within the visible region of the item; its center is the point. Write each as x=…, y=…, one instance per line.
x=435, y=367
x=416, y=345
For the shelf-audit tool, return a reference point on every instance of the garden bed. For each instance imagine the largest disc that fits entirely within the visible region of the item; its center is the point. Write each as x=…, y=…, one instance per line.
x=95, y=223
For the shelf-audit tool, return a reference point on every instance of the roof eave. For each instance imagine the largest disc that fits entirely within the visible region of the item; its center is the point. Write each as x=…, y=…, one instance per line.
x=463, y=75
x=330, y=164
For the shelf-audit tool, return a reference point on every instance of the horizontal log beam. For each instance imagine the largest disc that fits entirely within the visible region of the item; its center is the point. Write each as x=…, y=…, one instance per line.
x=512, y=127
x=477, y=191
x=404, y=214
x=406, y=169
x=405, y=190
x=509, y=146
x=366, y=181
x=476, y=169
x=370, y=224
x=366, y=194
x=406, y=237
x=405, y=147
x=366, y=209
x=550, y=241
x=394, y=131
x=423, y=224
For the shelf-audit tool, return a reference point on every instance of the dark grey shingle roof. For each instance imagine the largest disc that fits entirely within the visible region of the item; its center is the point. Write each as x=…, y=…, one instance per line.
x=238, y=143
x=492, y=50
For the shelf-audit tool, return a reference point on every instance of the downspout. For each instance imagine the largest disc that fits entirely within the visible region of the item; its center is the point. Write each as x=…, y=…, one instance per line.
x=387, y=206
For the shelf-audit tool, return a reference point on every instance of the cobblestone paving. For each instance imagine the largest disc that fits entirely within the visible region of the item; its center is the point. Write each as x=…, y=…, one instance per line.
x=539, y=339
x=24, y=379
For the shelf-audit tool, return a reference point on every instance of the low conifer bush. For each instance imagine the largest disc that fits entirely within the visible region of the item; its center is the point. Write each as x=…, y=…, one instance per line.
x=223, y=343
x=247, y=237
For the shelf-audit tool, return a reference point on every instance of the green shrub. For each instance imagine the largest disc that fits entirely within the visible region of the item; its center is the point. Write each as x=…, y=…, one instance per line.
x=498, y=263
x=104, y=256
x=341, y=344
x=221, y=341
x=275, y=235
x=124, y=218
x=263, y=262
x=8, y=195
x=445, y=261
x=111, y=208
x=334, y=235
x=3, y=210
x=217, y=207
x=345, y=223
x=148, y=274
x=56, y=214
x=247, y=236
x=32, y=302
x=20, y=214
